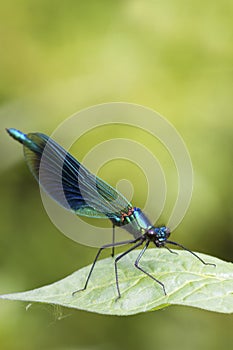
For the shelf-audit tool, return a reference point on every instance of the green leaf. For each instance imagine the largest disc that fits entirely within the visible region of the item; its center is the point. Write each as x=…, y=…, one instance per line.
x=187, y=282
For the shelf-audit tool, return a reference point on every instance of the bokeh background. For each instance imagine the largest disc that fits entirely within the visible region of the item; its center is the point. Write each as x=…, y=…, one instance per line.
x=58, y=57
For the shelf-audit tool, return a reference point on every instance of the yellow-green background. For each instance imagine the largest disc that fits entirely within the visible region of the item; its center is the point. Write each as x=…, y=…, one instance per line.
x=58, y=57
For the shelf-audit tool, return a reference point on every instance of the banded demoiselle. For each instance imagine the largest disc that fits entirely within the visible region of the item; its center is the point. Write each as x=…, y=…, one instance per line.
x=70, y=184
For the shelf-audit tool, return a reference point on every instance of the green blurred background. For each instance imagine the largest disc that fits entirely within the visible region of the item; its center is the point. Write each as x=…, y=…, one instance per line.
x=58, y=57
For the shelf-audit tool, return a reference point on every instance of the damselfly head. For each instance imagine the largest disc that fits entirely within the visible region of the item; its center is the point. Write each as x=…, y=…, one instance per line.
x=158, y=235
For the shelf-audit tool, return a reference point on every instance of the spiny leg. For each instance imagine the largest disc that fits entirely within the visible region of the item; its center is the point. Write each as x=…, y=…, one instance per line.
x=118, y=258
x=171, y=251
x=190, y=251
x=147, y=273
x=113, y=240
x=96, y=258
